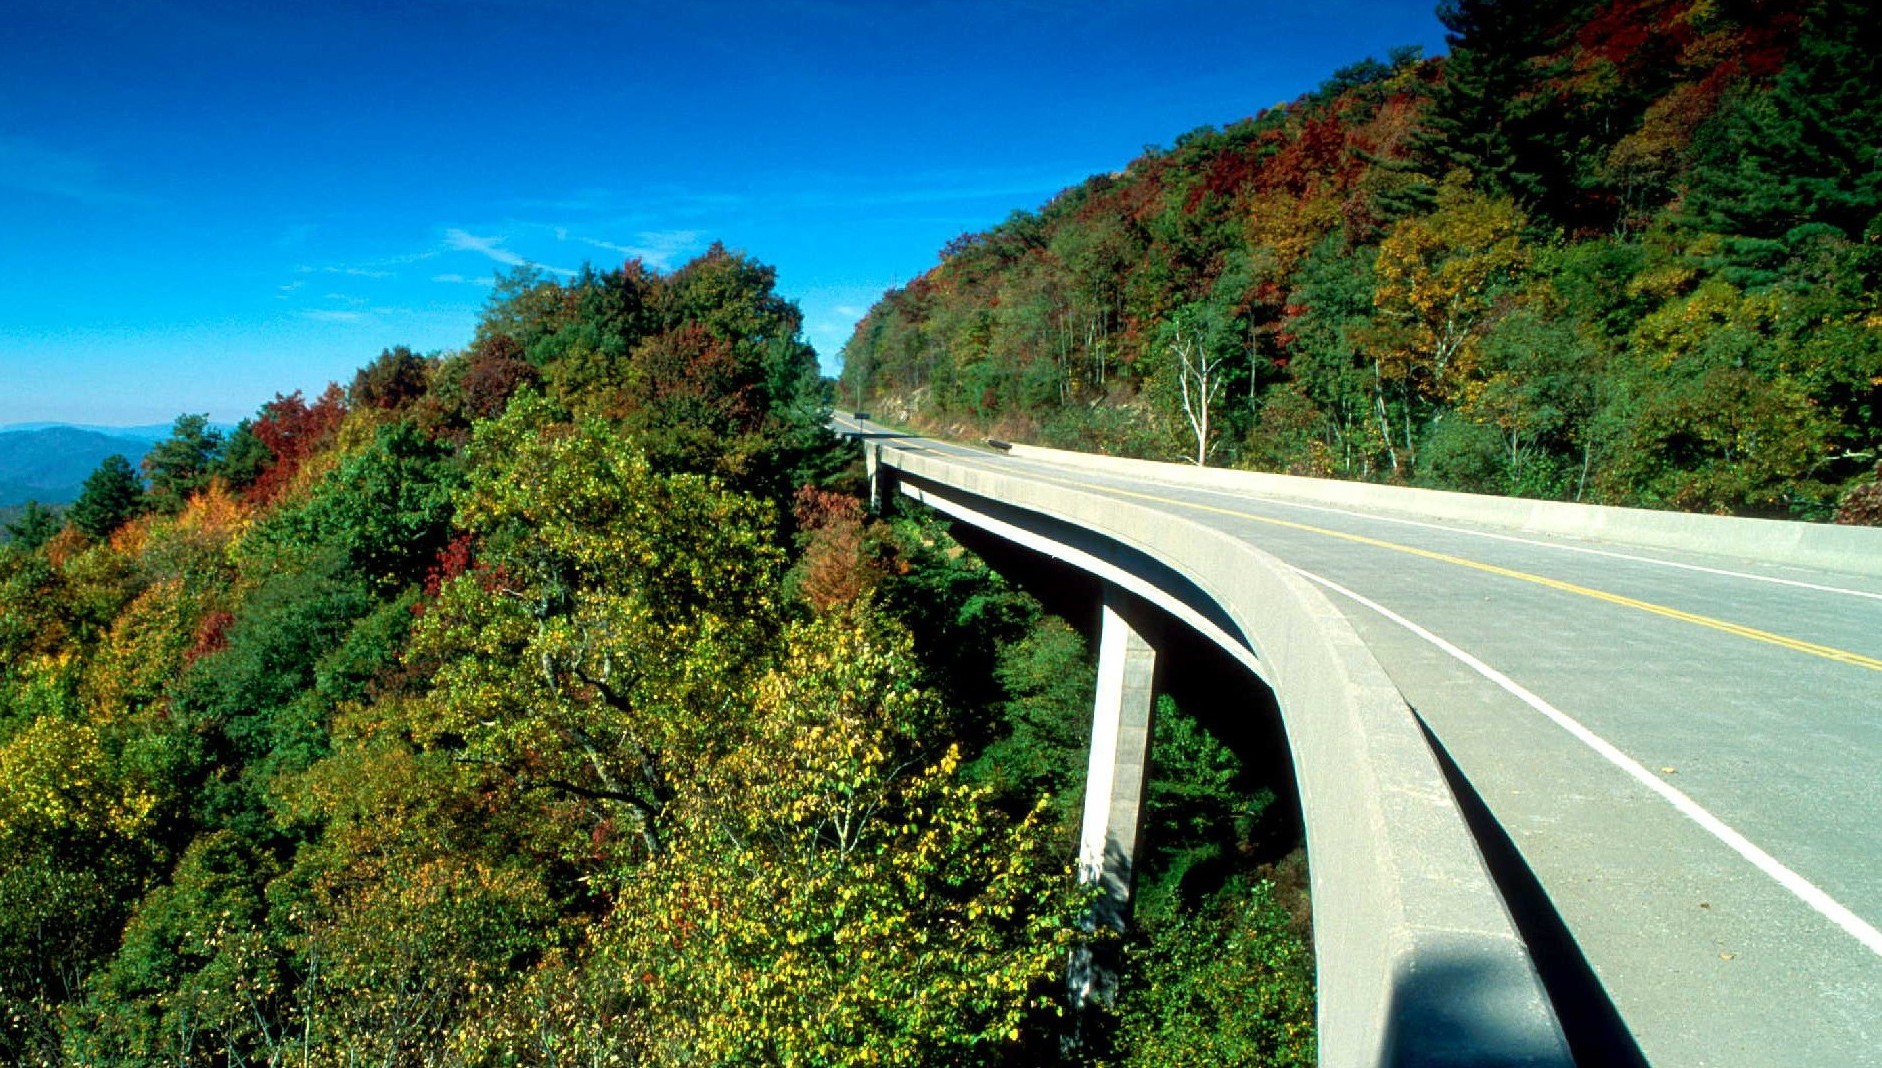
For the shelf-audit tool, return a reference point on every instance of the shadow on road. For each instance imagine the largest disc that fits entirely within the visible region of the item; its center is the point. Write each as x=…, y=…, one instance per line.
x=1596, y=1033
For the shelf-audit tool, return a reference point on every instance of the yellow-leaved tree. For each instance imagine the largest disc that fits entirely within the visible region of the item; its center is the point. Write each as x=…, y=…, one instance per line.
x=1441, y=280
x=835, y=893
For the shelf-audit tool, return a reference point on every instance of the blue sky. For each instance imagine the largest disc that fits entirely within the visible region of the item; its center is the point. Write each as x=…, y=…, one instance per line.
x=206, y=202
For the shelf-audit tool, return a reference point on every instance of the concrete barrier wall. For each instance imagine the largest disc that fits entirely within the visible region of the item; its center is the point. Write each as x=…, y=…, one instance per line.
x=1418, y=960
x=1854, y=550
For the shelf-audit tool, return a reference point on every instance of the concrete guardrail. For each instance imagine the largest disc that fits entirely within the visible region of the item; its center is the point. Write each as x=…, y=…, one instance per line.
x=1853, y=550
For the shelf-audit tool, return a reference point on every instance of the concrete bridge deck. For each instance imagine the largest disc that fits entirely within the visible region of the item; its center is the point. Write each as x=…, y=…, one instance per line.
x=1668, y=737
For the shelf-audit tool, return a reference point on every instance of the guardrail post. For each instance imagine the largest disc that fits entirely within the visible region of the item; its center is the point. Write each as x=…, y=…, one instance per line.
x=1114, y=784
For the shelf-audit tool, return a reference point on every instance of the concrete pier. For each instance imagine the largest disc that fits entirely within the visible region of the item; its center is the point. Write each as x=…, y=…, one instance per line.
x=1115, y=778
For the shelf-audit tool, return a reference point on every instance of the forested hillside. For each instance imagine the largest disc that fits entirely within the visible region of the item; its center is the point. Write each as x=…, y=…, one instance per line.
x=1624, y=251
x=555, y=702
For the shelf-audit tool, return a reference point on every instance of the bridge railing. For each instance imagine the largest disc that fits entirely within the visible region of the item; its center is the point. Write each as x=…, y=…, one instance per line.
x=1850, y=549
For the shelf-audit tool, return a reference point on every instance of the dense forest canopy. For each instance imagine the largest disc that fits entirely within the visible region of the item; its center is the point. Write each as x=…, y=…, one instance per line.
x=556, y=702
x=1624, y=251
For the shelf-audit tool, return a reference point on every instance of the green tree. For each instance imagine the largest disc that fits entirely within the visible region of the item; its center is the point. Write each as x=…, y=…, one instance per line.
x=74, y=848
x=599, y=652
x=1802, y=153
x=796, y=917
x=1228, y=984
x=1486, y=116
x=35, y=526
x=1715, y=417
x=196, y=980
x=1332, y=298
x=525, y=306
x=729, y=386
x=1540, y=389
x=1045, y=717
x=112, y=496
x=1196, y=375
x=244, y=457
x=181, y=464
x=37, y=617
x=410, y=948
x=393, y=380
x=386, y=509
x=1441, y=280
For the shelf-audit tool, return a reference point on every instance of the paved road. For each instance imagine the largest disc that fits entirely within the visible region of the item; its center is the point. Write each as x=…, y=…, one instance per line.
x=1685, y=750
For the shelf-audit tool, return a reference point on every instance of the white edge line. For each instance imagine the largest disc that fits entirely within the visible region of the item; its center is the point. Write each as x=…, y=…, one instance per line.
x=1807, y=892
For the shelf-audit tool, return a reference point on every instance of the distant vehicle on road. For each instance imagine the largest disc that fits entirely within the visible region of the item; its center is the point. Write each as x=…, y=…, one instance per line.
x=859, y=415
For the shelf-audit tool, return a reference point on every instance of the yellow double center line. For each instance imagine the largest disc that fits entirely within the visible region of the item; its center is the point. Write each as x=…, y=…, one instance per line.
x=1827, y=652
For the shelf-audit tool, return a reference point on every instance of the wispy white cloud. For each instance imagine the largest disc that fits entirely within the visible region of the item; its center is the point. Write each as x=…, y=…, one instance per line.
x=380, y=268
x=459, y=279
x=656, y=248
x=362, y=313
x=403, y=259
x=459, y=240
x=34, y=168
x=465, y=241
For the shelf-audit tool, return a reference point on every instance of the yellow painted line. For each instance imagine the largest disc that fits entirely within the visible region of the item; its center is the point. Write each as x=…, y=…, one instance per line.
x=1827, y=652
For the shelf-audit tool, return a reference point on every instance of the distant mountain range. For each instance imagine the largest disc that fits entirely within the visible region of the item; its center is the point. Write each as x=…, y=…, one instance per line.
x=48, y=462
x=152, y=432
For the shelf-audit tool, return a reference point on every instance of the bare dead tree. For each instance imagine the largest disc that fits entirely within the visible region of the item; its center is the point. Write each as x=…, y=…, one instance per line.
x=1200, y=380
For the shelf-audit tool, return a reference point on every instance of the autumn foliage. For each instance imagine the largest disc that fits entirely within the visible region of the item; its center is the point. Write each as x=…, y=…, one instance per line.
x=293, y=430
x=1460, y=272
x=521, y=705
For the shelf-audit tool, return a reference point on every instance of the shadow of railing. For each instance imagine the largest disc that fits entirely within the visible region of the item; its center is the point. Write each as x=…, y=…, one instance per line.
x=1593, y=1026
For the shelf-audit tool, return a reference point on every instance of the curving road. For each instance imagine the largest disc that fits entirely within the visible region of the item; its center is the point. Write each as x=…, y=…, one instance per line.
x=1683, y=750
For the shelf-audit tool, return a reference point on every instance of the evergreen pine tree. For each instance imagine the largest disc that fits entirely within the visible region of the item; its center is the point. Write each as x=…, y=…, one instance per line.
x=35, y=526
x=112, y=495
x=244, y=457
x=1486, y=117
x=1802, y=154
x=182, y=463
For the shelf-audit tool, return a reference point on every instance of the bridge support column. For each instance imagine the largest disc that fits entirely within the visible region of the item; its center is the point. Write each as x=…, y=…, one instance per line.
x=881, y=479
x=1114, y=783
